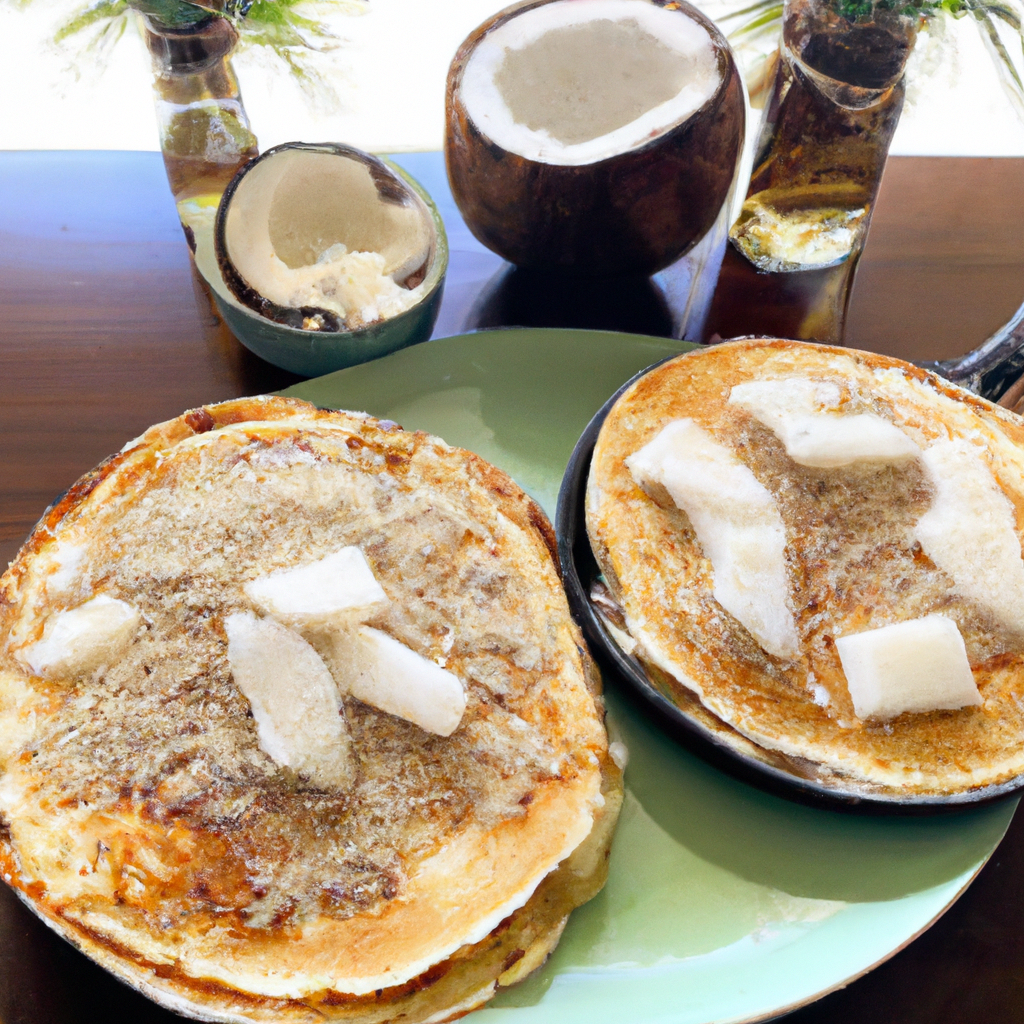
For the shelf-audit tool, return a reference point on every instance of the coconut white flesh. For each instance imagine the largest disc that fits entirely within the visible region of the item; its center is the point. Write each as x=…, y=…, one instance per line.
x=82, y=639
x=310, y=229
x=338, y=588
x=803, y=415
x=578, y=81
x=970, y=531
x=293, y=697
x=915, y=666
x=384, y=673
x=737, y=523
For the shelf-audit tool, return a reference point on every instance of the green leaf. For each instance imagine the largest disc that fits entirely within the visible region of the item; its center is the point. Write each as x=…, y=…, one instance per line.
x=1009, y=77
x=1002, y=11
x=769, y=18
x=105, y=10
x=755, y=8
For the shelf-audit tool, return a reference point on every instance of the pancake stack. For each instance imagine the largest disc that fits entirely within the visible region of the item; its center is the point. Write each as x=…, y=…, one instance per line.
x=295, y=724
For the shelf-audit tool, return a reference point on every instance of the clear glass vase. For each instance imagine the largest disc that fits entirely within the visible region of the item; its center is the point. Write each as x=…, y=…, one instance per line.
x=204, y=130
x=823, y=144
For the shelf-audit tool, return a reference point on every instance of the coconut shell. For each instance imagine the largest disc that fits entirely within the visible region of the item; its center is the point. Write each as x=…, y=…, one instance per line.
x=635, y=212
x=390, y=188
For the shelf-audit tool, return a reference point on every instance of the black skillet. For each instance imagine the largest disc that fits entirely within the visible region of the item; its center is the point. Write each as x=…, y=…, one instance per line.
x=687, y=720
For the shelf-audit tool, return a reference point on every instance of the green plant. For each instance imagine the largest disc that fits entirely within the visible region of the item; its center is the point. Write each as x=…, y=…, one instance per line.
x=290, y=29
x=765, y=16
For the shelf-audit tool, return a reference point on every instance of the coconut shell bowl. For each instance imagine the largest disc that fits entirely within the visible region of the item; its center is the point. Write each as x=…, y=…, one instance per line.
x=320, y=257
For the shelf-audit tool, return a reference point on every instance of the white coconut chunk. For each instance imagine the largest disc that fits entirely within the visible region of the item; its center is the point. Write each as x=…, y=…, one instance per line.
x=293, y=697
x=576, y=82
x=828, y=441
x=67, y=560
x=737, y=523
x=970, y=531
x=915, y=666
x=339, y=586
x=619, y=753
x=802, y=415
x=391, y=677
x=83, y=639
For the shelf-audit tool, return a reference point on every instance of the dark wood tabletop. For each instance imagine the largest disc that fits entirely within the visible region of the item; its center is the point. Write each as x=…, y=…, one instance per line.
x=105, y=329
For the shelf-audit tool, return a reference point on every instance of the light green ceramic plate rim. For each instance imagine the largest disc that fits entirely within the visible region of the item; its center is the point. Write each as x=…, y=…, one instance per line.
x=723, y=904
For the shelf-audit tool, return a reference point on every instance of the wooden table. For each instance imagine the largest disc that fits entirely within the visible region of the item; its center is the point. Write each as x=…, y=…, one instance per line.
x=105, y=329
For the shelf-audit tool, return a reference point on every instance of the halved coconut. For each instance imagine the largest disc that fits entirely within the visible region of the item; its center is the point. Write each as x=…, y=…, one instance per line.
x=599, y=136
x=323, y=237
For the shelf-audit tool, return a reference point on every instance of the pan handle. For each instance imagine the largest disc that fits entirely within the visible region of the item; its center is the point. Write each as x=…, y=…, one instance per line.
x=994, y=369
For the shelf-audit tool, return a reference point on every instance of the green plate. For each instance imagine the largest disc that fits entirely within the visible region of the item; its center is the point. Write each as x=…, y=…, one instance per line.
x=723, y=903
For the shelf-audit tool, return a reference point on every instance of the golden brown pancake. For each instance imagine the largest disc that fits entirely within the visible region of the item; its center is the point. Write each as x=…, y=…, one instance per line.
x=140, y=813
x=852, y=564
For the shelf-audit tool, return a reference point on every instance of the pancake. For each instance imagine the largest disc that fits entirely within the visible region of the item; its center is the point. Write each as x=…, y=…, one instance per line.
x=862, y=545
x=239, y=855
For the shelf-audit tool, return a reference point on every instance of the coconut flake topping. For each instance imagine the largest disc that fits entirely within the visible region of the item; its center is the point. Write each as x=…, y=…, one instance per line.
x=576, y=82
x=351, y=284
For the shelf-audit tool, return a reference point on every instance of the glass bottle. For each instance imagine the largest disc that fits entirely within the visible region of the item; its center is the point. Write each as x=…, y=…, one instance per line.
x=823, y=144
x=204, y=130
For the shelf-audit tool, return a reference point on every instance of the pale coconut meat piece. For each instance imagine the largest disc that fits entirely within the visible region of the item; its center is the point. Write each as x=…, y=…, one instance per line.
x=573, y=83
x=914, y=666
x=737, y=523
x=82, y=639
x=293, y=698
x=392, y=677
x=338, y=589
x=970, y=531
x=806, y=416
x=326, y=231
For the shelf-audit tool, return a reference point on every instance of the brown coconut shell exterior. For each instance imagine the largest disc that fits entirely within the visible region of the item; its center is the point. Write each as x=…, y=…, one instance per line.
x=632, y=213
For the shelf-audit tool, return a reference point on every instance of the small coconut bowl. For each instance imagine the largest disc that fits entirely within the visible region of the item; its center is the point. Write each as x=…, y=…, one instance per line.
x=308, y=340
x=595, y=137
